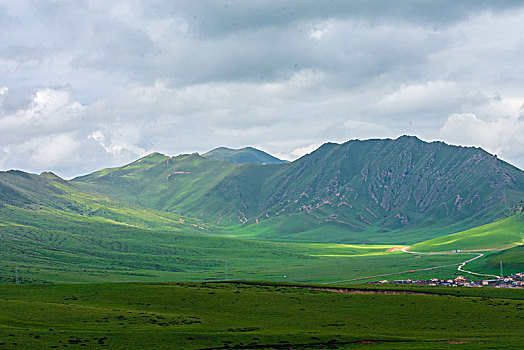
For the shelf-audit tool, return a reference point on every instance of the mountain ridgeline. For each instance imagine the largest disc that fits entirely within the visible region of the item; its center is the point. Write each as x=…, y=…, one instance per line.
x=242, y=155
x=358, y=191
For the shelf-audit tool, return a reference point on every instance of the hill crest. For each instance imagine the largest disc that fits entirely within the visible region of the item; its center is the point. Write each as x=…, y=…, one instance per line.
x=242, y=155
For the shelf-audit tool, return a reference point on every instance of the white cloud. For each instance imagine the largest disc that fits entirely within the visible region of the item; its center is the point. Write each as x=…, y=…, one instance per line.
x=3, y=92
x=468, y=129
x=419, y=97
x=49, y=152
x=321, y=30
x=503, y=135
x=301, y=151
x=121, y=141
x=363, y=129
x=49, y=112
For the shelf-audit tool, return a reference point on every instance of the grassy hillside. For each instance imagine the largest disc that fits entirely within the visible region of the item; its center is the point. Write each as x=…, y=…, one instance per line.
x=501, y=234
x=222, y=316
x=22, y=189
x=394, y=186
x=179, y=184
x=512, y=261
x=53, y=246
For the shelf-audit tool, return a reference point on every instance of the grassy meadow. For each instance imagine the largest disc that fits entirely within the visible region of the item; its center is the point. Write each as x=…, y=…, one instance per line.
x=103, y=242
x=251, y=316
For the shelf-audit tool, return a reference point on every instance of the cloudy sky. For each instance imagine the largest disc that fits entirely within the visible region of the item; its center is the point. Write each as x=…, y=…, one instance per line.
x=88, y=84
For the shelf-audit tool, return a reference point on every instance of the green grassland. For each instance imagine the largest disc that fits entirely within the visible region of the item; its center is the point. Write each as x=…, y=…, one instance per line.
x=73, y=248
x=255, y=316
x=61, y=233
x=499, y=241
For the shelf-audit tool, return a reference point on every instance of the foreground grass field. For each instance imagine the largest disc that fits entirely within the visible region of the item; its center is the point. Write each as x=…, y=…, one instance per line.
x=255, y=316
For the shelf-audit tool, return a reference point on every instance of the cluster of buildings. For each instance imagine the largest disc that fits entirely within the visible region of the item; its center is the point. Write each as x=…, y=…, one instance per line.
x=515, y=280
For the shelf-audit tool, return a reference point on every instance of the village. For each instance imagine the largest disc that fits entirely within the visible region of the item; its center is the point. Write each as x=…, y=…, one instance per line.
x=515, y=280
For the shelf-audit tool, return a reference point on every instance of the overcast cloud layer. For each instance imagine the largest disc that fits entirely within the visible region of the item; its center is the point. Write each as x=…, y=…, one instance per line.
x=91, y=84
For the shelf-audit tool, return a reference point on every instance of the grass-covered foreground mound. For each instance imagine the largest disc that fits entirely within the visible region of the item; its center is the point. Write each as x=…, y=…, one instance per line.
x=254, y=316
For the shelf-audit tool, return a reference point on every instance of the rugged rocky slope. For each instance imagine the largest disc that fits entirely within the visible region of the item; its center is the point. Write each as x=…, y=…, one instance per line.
x=394, y=182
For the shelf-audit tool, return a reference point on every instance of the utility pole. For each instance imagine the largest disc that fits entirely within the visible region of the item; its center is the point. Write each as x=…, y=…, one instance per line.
x=227, y=277
x=501, y=273
x=16, y=273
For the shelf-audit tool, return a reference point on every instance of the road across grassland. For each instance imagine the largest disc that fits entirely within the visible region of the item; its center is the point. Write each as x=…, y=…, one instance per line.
x=405, y=250
x=461, y=265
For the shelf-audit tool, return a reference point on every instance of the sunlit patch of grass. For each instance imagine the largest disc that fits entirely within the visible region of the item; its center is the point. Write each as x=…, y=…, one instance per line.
x=501, y=234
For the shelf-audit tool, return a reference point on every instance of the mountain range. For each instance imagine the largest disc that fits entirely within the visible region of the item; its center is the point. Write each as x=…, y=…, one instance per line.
x=370, y=191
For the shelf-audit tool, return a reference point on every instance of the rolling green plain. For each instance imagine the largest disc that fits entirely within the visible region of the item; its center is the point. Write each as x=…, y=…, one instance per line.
x=504, y=233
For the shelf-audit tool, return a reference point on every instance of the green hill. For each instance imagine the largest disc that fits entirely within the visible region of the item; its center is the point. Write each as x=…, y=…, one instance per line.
x=62, y=233
x=400, y=191
x=242, y=155
x=512, y=262
x=504, y=233
x=181, y=184
x=18, y=188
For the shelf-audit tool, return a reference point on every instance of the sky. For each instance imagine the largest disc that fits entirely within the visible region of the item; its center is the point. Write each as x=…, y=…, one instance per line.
x=89, y=84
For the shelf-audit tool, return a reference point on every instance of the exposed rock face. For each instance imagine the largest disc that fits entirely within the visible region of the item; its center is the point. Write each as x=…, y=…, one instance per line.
x=388, y=179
